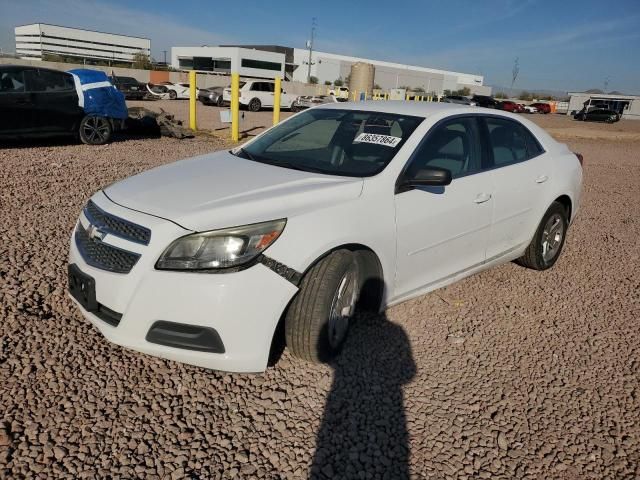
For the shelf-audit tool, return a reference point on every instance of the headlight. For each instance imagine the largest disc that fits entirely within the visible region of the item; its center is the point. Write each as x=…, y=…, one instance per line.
x=219, y=249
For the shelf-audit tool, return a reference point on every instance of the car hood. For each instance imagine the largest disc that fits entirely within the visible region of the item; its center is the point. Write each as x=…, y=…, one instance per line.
x=221, y=190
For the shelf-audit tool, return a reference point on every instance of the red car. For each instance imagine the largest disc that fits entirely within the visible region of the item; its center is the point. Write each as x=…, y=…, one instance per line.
x=508, y=106
x=542, y=107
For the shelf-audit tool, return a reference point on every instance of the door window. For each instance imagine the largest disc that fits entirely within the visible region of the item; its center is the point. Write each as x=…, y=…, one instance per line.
x=453, y=145
x=511, y=142
x=11, y=82
x=47, y=81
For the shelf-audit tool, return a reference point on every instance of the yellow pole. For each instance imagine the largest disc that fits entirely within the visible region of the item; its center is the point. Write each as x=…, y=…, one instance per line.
x=235, y=107
x=192, y=100
x=406, y=97
x=276, y=100
x=386, y=96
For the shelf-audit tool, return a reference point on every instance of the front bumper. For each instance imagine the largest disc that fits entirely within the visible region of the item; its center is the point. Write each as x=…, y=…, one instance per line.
x=242, y=307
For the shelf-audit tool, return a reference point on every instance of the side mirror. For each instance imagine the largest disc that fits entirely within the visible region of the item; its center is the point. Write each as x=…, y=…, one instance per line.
x=428, y=176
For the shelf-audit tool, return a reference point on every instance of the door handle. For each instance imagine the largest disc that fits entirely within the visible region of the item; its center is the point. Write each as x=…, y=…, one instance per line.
x=482, y=197
x=542, y=179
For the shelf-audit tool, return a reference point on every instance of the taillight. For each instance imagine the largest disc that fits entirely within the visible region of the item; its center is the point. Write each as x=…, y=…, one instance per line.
x=580, y=158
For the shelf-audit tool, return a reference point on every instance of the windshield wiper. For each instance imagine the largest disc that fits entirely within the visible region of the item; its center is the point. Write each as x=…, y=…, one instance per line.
x=246, y=154
x=303, y=168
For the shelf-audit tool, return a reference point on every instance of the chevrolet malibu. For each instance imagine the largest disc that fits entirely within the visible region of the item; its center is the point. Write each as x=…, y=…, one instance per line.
x=340, y=207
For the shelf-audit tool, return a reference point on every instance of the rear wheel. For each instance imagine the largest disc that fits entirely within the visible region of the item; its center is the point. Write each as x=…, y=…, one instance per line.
x=95, y=130
x=220, y=101
x=547, y=243
x=255, y=105
x=317, y=321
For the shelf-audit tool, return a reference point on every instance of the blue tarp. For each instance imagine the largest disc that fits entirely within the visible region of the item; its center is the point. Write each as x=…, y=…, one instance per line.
x=97, y=95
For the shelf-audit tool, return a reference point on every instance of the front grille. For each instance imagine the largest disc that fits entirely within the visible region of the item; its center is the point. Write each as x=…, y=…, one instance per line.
x=115, y=225
x=103, y=256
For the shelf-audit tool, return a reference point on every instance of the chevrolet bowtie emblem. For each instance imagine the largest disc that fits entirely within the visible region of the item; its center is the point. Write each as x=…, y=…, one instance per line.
x=95, y=233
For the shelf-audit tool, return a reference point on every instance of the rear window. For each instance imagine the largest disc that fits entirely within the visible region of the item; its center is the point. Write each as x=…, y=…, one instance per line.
x=335, y=142
x=11, y=82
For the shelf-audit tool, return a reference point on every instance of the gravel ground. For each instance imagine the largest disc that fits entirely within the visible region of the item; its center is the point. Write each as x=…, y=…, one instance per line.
x=508, y=374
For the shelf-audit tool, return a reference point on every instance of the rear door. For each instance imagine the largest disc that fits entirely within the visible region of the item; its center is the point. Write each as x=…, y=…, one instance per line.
x=15, y=103
x=55, y=101
x=522, y=174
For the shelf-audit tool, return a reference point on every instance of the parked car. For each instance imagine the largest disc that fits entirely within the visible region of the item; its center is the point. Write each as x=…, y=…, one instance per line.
x=508, y=106
x=598, y=115
x=308, y=101
x=542, y=107
x=530, y=109
x=40, y=102
x=211, y=96
x=485, y=101
x=131, y=88
x=340, y=207
x=257, y=94
x=459, y=99
x=177, y=90
x=340, y=92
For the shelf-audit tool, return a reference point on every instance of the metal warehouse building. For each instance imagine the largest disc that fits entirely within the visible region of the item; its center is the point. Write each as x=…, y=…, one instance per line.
x=326, y=67
x=627, y=105
x=35, y=40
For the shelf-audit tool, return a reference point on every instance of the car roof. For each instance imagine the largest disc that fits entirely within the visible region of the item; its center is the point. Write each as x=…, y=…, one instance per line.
x=416, y=109
x=7, y=68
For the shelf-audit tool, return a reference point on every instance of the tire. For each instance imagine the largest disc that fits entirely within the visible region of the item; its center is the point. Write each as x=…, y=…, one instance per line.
x=95, y=130
x=538, y=256
x=220, y=101
x=255, y=105
x=173, y=94
x=311, y=332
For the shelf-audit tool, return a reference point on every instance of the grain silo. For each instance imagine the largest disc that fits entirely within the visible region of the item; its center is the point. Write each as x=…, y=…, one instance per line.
x=361, y=77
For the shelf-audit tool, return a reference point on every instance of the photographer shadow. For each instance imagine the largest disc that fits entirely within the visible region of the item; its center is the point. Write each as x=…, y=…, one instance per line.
x=363, y=433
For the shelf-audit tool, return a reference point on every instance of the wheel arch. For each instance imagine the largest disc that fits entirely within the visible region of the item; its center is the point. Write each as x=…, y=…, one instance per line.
x=566, y=202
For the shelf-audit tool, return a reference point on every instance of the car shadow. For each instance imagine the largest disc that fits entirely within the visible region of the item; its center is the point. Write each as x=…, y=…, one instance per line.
x=363, y=433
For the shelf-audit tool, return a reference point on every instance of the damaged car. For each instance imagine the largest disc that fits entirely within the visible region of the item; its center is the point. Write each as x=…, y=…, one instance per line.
x=41, y=102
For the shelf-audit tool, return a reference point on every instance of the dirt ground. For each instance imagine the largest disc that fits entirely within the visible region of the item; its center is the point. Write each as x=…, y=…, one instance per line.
x=507, y=374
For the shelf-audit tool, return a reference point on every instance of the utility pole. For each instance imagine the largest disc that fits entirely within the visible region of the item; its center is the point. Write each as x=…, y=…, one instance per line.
x=515, y=72
x=314, y=24
x=165, y=56
x=606, y=84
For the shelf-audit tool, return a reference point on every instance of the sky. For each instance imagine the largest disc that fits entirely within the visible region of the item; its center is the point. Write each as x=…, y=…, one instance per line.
x=563, y=45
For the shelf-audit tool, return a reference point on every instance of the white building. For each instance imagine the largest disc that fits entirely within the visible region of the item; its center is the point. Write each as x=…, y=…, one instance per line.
x=328, y=67
x=627, y=105
x=38, y=39
x=247, y=62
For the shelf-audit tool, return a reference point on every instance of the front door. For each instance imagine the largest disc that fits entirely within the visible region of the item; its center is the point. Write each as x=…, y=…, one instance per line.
x=442, y=231
x=55, y=100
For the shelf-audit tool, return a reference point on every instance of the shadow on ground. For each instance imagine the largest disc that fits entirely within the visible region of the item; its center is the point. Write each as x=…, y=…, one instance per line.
x=363, y=433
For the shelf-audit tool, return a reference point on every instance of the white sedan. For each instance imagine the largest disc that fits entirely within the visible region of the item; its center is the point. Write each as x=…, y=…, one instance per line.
x=177, y=90
x=340, y=207
x=530, y=109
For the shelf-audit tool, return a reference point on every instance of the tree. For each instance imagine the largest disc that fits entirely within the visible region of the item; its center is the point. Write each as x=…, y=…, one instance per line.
x=327, y=82
x=313, y=80
x=447, y=92
x=338, y=82
x=524, y=95
x=418, y=89
x=500, y=95
x=465, y=91
x=377, y=87
x=141, y=61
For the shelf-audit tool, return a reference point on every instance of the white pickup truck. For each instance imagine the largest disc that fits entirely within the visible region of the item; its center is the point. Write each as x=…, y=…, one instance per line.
x=257, y=94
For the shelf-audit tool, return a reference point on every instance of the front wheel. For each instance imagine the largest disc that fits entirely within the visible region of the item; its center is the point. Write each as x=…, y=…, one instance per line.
x=173, y=94
x=547, y=243
x=317, y=320
x=95, y=130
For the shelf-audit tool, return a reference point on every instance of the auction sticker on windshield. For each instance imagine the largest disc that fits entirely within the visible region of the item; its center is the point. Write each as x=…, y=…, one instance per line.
x=387, y=140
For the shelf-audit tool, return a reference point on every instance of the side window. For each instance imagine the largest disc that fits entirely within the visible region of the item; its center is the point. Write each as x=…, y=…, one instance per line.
x=11, y=82
x=508, y=141
x=270, y=87
x=46, y=81
x=256, y=87
x=453, y=145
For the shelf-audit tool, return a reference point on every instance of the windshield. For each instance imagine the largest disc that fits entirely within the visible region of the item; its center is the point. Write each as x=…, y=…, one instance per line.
x=335, y=142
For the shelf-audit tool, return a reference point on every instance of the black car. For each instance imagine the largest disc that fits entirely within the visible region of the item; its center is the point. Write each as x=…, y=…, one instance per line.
x=485, y=101
x=39, y=102
x=598, y=115
x=211, y=96
x=131, y=88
